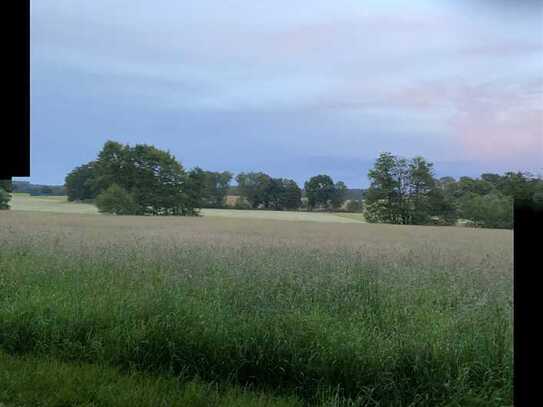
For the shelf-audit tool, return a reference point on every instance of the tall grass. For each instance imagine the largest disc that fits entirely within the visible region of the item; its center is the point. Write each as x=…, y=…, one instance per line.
x=409, y=324
x=40, y=381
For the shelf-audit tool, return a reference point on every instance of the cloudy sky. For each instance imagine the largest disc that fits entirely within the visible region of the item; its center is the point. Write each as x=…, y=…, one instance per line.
x=290, y=87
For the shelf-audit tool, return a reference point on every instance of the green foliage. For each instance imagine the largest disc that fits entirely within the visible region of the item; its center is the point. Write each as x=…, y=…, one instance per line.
x=153, y=179
x=254, y=187
x=487, y=202
x=338, y=195
x=291, y=196
x=117, y=201
x=261, y=190
x=215, y=189
x=5, y=195
x=118, y=164
x=242, y=204
x=381, y=198
x=321, y=192
x=521, y=186
x=476, y=186
x=405, y=192
x=402, y=191
x=318, y=191
x=355, y=206
x=284, y=194
x=492, y=210
x=493, y=179
x=81, y=182
x=193, y=191
x=441, y=207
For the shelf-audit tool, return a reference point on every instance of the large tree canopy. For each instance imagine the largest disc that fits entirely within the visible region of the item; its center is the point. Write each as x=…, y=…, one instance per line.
x=254, y=187
x=151, y=178
x=261, y=190
x=284, y=194
x=215, y=188
x=405, y=192
x=321, y=192
x=81, y=182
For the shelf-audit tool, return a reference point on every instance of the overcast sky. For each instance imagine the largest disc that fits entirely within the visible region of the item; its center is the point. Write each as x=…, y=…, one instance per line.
x=290, y=87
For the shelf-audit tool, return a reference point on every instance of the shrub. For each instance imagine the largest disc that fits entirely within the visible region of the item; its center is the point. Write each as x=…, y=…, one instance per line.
x=354, y=206
x=5, y=196
x=116, y=200
x=242, y=204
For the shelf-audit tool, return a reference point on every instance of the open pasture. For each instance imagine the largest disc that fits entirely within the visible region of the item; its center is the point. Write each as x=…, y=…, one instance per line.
x=59, y=204
x=55, y=204
x=332, y=314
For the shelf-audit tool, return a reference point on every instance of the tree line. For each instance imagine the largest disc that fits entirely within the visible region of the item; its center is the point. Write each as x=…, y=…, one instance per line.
x=144, y=180
x=38, y=190
x=405, y=191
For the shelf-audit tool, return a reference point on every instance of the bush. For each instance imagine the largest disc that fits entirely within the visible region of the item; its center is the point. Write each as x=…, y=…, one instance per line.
x=354, y=206
x=117, y=201
x=4, y=199
x=242, y=204
x=5, y=196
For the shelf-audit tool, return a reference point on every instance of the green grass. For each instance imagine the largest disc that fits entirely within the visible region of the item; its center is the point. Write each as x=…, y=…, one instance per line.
x=34, y=381
x=353, y=216
x=56, y=204
x=370, y=315
x=60, y=204
x=326, y=217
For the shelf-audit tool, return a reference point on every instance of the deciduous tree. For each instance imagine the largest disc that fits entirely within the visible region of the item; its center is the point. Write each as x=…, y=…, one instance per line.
x=81, y=183
x=319, y=191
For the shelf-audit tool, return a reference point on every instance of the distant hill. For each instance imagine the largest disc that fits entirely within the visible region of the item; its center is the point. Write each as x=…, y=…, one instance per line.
x=35, y=190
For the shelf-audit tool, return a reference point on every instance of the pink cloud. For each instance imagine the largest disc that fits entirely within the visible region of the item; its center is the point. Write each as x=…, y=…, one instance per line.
x=491, y=121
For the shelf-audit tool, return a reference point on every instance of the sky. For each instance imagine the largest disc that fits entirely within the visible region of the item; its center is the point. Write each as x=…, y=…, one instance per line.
x=289, y=87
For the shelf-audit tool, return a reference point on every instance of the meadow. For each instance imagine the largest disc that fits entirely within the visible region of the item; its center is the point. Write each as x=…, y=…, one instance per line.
x=228, y=311
x=60, y=204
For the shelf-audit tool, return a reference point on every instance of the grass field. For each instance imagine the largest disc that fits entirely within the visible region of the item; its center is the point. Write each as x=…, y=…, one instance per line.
x=55, y=204
x=59, y=204
x=301, y=312
x=42, y=381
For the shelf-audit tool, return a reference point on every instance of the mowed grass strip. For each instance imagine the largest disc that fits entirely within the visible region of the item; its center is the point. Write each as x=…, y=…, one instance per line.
x=390, y=316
